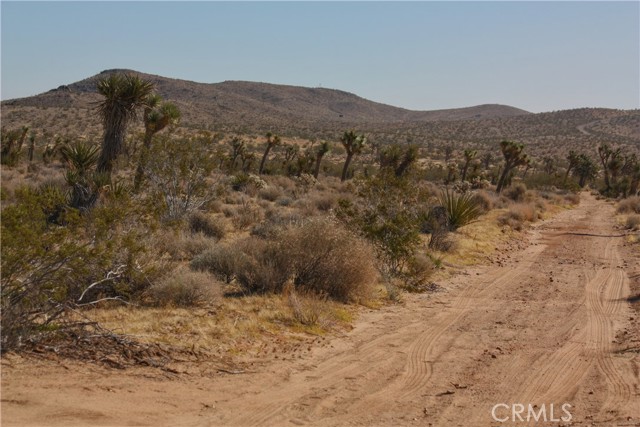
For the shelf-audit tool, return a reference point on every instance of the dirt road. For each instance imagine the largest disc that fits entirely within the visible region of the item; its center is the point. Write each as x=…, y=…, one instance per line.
x=547, y=324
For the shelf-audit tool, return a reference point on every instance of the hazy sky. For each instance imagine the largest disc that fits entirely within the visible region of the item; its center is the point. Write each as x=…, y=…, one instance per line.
x=539, y=56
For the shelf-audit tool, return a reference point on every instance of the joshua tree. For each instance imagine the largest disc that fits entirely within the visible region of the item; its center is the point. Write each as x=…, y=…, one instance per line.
x=609, y=159
x=585, y=169
x=486, y=159
x=123, y=95
x=238, y=147
x=324, y=148
x=573, y=158
x=394, y=158
x=513, y=157
x=469, y=155
x=353, y=144
x=157, y=116
x=448, y=152
x=32, y=145
x=272, y=141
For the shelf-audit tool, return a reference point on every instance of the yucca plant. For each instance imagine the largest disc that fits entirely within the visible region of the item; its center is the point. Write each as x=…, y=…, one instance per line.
x=123, y=95
x=81, y=159
x=461, y=208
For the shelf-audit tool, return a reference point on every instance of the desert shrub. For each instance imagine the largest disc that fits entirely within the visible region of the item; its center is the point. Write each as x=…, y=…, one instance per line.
x=270, y=193
x=324, y=201
x=629, y=205
x=181, y=246
x=183, y=288
x=572, y=198
x=246, y=215
x=632, y=222
x=483, y=200
x=419, y=270
x=518, y=214
x=178, y=170
x=388, y=212
x=329, y=260
x=319, y=256
x=516, y=192
x=247, y=182
x=49, y=267
x=306, y=309
x=200, y=222
x=223, y=261
x=461, y=208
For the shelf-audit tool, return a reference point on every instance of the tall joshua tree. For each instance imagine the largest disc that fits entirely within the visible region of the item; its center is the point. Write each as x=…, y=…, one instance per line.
x=514, y=156
x=324, y=148
x=157, y=116
x=123, y=95
x=272, y=141
x=469, y=155
x=353, y=144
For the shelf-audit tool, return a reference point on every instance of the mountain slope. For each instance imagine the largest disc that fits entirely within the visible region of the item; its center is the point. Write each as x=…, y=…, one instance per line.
x=234, y=101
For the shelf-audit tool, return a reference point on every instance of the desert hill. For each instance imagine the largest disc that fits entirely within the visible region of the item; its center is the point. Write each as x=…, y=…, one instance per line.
x=314, y=113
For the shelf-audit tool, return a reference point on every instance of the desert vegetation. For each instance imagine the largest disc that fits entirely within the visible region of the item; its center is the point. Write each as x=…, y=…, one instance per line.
x=155, y=215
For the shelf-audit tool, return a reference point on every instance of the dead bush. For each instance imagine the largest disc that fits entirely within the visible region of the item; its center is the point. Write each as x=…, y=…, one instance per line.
x=516, y=192
x=629, y=205
x=518, y=214
x=270, y=193
x=181, y=246
x=632, y=223
x=199, y=222
x=184, y=288
x=419, y=270
x=319, y=256
x=223, y=261
x=329, y=260
x=484, y=199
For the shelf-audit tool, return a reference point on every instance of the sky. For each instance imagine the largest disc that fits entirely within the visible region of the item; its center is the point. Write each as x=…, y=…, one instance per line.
x=538, y=56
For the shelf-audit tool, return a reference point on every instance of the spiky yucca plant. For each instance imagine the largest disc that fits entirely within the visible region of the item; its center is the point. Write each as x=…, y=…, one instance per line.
x=461, y=208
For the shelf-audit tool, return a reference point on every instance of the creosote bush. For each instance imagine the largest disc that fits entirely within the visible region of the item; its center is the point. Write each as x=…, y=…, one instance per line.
x=319, y=256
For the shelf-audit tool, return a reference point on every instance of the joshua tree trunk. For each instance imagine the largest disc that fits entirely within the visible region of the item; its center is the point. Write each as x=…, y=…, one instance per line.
x=142, y=162
x=503, y=178
x=264, y=159
x=346, y=167
x=316, y=169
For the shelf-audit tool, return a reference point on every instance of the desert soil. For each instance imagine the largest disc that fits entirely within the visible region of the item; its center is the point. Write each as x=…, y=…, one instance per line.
x=547, y=322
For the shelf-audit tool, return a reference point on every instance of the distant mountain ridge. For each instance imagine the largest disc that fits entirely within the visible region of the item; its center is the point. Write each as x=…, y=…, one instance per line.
x=231, y=101
x=252, y=109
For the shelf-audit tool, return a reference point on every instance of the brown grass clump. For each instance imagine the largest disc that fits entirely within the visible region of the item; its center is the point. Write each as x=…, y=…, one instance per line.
x=629, y=205
x=516, y=192
x=199, y=222
x=184, y=288
x=518, y=214
x=632, y=223
x=330, y=260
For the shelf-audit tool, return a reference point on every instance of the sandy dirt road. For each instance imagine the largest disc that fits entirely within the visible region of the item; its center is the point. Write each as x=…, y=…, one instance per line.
x=547, y=323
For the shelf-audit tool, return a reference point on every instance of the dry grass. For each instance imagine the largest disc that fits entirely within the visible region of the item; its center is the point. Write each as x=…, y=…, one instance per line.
x=184, y=288
x=246, y=326
x=632, y=222
x=477, y=241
